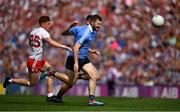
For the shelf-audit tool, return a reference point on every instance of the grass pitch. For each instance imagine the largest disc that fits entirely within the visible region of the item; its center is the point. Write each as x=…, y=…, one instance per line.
x=75, y=103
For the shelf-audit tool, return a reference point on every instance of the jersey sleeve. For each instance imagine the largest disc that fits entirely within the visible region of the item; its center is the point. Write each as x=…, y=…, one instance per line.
x=45, y=34
x=74, y=30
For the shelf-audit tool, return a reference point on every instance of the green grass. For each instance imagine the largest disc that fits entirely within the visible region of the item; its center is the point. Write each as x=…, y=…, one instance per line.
x=75, y=103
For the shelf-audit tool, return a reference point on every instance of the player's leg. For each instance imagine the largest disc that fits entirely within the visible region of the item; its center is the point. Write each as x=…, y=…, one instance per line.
x=64, y=78
x=51, y=75
x=69, y=71
x=64, y=88
x=94, y=76
x=50, y=97
x=50, y=80
x=82, y=75
x=34, y=66
x=58, y=75
x=70, y=74
x=33, y=77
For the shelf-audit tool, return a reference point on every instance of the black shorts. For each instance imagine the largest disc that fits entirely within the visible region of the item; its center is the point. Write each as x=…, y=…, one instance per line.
x=81, y=63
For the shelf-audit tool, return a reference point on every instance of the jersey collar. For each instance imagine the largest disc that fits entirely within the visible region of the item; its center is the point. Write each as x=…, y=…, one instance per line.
x=90, y=27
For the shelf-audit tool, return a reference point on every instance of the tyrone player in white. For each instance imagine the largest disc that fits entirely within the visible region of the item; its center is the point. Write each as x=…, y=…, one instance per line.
x=36, y=61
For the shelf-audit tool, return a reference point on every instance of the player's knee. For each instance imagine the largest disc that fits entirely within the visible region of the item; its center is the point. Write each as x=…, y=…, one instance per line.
x=95, y=77
x=50, y=71
x=98, y=77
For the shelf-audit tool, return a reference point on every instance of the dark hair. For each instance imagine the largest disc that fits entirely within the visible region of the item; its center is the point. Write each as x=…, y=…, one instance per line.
x=89, y=17
x=44, y=19
x=96, y=17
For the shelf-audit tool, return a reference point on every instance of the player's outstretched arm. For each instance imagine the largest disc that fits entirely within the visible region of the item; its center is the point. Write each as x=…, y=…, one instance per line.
x=76, y=67
x=56, y=44
x=66, y=32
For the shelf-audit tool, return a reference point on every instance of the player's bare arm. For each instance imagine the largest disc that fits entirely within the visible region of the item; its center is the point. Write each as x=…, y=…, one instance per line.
x=56, y=44
x=76, y=67
x=66, y=30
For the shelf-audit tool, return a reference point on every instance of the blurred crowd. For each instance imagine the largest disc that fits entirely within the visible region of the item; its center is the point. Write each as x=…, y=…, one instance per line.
x=132, y=50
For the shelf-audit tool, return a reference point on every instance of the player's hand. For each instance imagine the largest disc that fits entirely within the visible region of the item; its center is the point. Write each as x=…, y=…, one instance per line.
x=97, y=53
x=94, y=54
x=74, y=23
x=69, y=49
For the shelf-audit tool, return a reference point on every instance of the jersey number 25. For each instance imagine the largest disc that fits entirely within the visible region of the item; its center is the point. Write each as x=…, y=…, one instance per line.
x=34, y=41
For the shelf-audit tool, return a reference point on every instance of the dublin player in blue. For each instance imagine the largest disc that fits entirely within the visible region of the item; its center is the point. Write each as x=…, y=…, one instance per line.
x=78, y=60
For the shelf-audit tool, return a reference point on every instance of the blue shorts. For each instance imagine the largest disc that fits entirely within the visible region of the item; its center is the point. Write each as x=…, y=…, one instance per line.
x=81, y=63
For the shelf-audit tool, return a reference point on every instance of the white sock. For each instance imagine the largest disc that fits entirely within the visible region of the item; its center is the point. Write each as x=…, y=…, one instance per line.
x=50, y=94
x=28, y=83
x=10, y=80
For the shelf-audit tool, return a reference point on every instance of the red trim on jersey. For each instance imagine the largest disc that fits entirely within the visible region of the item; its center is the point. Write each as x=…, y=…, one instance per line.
x=35, y=65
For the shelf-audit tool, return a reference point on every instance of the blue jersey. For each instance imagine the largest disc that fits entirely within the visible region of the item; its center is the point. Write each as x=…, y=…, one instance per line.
x=83, y=35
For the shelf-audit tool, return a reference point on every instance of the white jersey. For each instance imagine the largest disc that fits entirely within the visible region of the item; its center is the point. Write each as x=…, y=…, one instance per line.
x=36, y=43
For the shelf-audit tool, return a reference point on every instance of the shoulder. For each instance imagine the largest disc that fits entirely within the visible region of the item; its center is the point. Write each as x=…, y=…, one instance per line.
x=34, y=30
x=42, y=30
x=75, y=28
x=84, y=28
x=39, y=30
